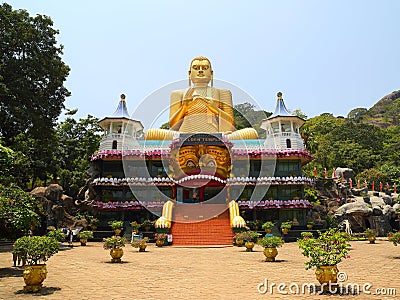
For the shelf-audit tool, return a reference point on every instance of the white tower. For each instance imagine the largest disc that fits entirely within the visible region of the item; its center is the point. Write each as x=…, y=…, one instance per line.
x=283, y=129
x=120, y=131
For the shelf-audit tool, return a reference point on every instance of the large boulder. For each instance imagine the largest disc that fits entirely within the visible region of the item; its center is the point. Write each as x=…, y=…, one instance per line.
x=39, y=192
x=377, y=201
x=347, y=173
x=54, y=193
x=68, y=203
x=358, y=207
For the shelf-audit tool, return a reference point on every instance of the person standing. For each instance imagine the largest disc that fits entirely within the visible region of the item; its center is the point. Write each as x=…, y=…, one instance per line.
x=70, y=236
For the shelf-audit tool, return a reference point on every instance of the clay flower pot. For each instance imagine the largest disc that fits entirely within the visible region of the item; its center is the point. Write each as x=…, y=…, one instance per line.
x=326, y=275
x=34, y=276
x=116, y=254
x=270, y=253
x=249, y=246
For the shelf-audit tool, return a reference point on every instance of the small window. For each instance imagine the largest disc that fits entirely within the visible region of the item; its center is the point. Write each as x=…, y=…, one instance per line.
x=288, y=143
x=114, y=145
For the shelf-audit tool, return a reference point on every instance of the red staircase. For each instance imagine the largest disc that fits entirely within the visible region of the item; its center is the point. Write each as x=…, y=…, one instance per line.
x=201, y=225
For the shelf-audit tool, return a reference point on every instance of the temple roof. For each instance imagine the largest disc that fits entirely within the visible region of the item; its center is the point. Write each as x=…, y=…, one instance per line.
x=120, y=114
x=280, y=109
x=121, y=110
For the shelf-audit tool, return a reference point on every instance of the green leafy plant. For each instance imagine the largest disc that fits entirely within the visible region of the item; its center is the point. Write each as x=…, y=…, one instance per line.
x=370, y=233
x=147, y=223
x=114, y=242
x=135, y=226
x=139, y=242
x=268, y=225
x=19, y=211
x=56, y=234
x=247, y=236
x=116, y=224
x=394, y=237
x=286, y=225
x=271, y=241
x=36, y=249
x=257, y=224
x=311, y=194
x=94, y=221
x=328, y=249
x=330, y=221
x=161, y=236
x=86, y=234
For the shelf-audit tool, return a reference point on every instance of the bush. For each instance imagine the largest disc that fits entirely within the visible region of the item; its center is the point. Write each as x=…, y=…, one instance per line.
x=86, y=234
x=327, y=250
x=114, y=242
x=394, y=238
x=36, y=249
x=116, y=224
x=268, y=225
x=271, y=241
x=57, y=234
x=19, y=211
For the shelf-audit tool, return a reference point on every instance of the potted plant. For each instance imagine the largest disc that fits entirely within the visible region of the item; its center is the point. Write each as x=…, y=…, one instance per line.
x=394, y=238
x=324, y=253
x=84, y=236
x=257, y=224
x=140, y=243
x=267, y=226
x=116, y=226
x=249, y=237
x=115, y=244
x=270, y=243
x=35, y=251
x=310, y=224
x=135, y=227
x=56, y=234
x=94, y=222
x=285, y=226
x=160, y=239
x=239, y=241
x=370, y=234
x=147, y=225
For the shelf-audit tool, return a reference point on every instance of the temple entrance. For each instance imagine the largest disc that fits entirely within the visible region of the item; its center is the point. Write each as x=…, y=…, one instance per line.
x=214, y=194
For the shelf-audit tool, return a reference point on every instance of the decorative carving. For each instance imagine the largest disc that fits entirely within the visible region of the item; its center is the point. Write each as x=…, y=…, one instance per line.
x=195, y=159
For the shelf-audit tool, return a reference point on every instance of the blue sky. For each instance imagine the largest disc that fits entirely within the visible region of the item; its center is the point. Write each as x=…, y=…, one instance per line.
x=325, y=56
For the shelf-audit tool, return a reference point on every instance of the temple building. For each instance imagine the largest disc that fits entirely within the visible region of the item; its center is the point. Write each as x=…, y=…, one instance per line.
x=201, y=179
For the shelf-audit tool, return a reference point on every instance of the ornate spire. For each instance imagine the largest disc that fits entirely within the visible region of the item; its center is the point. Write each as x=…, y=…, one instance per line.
x=121, y=110
x=280, y=109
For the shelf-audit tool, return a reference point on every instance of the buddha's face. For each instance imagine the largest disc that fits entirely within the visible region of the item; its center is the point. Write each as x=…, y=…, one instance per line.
x=200, y=71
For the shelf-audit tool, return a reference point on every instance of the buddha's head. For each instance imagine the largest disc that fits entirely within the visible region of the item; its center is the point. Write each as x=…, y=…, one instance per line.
x=200, y=70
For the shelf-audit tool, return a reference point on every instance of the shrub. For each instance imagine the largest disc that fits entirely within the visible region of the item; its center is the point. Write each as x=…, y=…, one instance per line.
x=271, y=241
x=57, y=234
x=327, y=250
x=36, y=249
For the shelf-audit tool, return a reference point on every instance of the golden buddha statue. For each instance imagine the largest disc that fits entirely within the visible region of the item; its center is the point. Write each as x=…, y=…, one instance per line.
x=201, y=108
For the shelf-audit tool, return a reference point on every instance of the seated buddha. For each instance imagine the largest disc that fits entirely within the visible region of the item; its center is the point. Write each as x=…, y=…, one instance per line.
x=201, y=108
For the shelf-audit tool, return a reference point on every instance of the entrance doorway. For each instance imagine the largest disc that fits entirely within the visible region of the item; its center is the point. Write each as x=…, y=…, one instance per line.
x=213, y=194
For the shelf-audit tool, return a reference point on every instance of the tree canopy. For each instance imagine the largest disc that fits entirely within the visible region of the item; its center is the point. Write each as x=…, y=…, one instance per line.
x=32, y=93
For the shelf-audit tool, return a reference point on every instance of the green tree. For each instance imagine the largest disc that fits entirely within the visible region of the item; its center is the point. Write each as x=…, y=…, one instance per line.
x=299, y=113
x=32, y=94
x=245, y=116
x=78, y=140
x=14, y=167
x=357, y=114
x=370, y=175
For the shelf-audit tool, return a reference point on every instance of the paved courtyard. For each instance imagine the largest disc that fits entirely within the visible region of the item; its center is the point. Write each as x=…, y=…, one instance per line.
x=198, y=273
